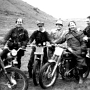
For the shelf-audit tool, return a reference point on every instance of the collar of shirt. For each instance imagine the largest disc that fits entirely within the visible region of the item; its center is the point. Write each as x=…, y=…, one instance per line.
x=58, y=29
x=42, y=30
x=73, y=31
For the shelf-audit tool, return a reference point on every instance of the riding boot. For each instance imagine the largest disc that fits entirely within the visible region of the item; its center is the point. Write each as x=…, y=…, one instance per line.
x=30, y=68
x=31, y=61
x=80, y=70
x=80, y=79
x=19, y=62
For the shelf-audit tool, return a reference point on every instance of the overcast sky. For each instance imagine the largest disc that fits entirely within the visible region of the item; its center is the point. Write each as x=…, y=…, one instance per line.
x=63, y=8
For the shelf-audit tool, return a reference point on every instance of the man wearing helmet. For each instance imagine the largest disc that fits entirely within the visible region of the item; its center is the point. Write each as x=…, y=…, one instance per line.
x=40, y=36
x=16, y=37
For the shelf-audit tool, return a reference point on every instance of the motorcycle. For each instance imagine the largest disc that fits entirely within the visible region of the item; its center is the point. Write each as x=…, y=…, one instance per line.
x=38, y=62
x=11, y=58
x=62, y=62
x=11, y=76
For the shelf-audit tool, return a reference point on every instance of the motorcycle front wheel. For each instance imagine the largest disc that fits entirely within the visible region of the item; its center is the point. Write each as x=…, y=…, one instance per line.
x=17, y=78
x=36, y=70
x=46, y=80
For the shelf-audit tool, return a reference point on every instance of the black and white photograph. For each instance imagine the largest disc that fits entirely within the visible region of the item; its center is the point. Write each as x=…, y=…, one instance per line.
x=44, y=45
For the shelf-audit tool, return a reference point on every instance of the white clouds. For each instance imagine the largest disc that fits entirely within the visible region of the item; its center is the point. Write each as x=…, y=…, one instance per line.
x=63, y=8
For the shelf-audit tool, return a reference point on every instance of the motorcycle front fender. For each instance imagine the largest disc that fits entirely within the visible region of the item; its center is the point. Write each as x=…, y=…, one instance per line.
x=51, y=61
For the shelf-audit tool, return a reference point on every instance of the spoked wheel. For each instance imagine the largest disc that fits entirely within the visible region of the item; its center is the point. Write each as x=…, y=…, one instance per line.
x=36, y=70
x=3, y=84
x=46, y=80
x=17, y=78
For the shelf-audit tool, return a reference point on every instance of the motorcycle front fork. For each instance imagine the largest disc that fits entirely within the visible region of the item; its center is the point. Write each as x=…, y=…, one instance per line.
x=57, y=63
x=5, y=72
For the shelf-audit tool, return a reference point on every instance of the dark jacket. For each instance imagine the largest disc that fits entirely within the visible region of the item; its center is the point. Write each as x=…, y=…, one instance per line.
x=17, y=36
x=74, y=41
x=40, y=37
x=86, y=31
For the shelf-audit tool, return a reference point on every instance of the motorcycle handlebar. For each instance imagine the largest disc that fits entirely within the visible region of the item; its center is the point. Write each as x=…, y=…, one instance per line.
x=59, y=45
x=50, y=45
x=38, y=46
x=18, y=49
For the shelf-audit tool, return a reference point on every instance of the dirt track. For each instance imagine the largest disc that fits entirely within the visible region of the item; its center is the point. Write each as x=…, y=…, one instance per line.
x=63, y=85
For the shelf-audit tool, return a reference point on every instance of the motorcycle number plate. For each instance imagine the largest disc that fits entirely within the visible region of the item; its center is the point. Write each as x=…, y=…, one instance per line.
x=39, y=50
x=58, y=51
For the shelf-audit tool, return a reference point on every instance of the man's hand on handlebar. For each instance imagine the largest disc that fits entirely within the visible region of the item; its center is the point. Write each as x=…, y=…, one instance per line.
x=70, y=49
x=85, y=38
x=23, y=47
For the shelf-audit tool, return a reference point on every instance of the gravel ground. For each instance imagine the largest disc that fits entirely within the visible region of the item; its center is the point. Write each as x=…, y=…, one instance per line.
x=59, y=85
x=63, y=85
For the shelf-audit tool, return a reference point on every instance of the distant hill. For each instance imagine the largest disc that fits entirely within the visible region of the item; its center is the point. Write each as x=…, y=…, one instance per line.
x=12, y=9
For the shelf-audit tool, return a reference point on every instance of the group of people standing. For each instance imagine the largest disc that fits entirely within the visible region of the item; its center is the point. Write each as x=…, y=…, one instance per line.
x=76, y=41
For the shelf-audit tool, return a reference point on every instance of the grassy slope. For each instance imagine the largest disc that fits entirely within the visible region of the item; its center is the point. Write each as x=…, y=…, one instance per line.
x=12, y=9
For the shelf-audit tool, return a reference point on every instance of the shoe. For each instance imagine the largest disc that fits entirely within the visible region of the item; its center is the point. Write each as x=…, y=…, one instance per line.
x=59, y=77
x=88, y=55
x=80, y=80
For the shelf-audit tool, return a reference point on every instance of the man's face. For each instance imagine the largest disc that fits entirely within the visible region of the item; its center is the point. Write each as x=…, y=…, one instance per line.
x=40, y=28
x=19, y=23
x=72, y=26
x=88, y=21
x=59, y=26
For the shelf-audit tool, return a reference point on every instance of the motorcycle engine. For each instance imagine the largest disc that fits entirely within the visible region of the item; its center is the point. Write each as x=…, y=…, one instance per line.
x=67, y=54
x=68, y=62
x=14, y=52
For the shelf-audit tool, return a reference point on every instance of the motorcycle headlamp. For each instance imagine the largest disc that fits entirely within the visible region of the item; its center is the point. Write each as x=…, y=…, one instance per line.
x=14, y=52
x=66, y=53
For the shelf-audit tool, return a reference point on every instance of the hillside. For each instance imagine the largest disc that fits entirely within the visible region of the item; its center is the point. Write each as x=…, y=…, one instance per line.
x=12, y=9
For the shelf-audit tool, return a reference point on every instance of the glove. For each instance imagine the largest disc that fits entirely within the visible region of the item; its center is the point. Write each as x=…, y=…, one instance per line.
x=23, y=47
x=85, y=38
x=70, y=49
x=53, y=42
